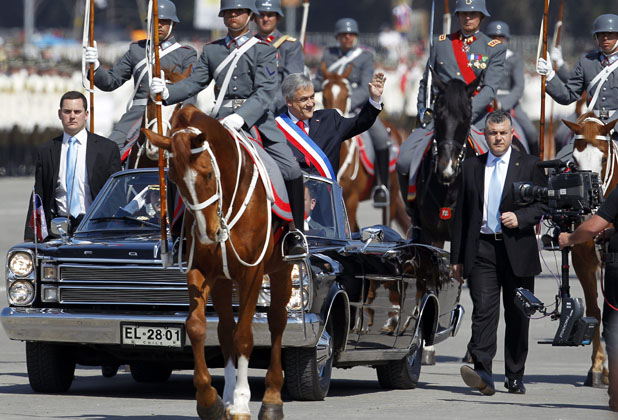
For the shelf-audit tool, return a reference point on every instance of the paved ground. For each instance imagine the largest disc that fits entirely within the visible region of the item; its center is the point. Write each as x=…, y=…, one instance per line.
x=554, y=376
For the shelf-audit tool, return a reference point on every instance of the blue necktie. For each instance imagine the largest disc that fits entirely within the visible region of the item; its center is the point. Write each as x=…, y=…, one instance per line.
x=493, y=199
x=72, y=188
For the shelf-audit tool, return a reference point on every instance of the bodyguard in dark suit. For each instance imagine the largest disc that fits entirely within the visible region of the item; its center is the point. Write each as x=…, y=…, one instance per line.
x=327, y=128
x=84, y=158
x=494, y=246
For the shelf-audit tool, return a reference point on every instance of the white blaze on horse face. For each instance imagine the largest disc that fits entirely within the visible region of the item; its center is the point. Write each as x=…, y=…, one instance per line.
x=589, y=159
x=449, y=171
x=190, y=178
x=242, y=393
x=230, y=383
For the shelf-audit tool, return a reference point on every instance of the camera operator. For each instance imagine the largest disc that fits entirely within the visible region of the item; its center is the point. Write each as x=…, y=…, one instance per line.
x=494, y=245
x=597, y=225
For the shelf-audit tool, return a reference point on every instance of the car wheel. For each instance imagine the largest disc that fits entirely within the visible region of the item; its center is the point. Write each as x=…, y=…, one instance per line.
x=150, y=372
x=404, y=373
x=50, y=367
x=308, y=370
x=109, y=371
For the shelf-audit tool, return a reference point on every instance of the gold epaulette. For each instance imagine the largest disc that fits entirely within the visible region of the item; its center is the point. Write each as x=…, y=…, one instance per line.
x=281, y=40
x=494, y=42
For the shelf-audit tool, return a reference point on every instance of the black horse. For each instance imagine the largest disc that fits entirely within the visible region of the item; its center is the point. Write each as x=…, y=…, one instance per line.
x=438, y=177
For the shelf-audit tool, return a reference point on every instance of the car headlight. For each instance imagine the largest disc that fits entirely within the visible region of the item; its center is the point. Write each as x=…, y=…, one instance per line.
x=299, y=299
x=21, y=264
x=21, y=293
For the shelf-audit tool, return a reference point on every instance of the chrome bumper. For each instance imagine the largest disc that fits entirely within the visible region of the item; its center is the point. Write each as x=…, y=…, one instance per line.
x=62, y=326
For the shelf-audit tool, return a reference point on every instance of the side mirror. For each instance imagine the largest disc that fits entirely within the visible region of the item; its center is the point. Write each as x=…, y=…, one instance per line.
x=60, y=227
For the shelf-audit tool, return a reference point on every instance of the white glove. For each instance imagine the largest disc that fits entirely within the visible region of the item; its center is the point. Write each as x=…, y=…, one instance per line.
x=157, y=85
x=544, y=68
x=91, y=56
x=233, y=121
x=556, y=56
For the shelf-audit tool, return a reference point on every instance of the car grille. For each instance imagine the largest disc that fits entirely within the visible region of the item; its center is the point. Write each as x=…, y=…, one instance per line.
x=128, y=285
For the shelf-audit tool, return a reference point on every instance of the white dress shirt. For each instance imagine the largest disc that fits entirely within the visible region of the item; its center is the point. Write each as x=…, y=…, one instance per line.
x=81, y=174
x=503, y=166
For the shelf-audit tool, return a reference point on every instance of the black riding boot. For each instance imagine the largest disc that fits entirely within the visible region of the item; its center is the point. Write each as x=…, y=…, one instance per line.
x=295, y=240
x=380, y=192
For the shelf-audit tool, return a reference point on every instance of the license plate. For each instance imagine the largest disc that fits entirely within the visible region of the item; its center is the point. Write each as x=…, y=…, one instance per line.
x=152, y=335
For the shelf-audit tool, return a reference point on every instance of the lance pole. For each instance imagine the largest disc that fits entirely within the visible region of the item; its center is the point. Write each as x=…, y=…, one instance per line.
x=91, y=70
x=163, y=195
x=446, y=19
x=303, y=26
x=429, y=81
x=555, y=44
x=543, y=78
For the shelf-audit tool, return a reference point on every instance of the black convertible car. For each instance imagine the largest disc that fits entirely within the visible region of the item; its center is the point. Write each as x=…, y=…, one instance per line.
x=102, y=297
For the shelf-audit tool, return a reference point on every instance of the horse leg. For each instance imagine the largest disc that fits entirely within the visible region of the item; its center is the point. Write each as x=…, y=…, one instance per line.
x=585, y=264
x=351, y=203
x=209, y=404
x=280, y=292
x=249, y=285
x=398, y=210
x=222, y=300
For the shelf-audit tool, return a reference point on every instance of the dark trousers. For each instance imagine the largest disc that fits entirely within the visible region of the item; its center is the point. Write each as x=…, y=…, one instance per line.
x=492, y=272
x=610, y=327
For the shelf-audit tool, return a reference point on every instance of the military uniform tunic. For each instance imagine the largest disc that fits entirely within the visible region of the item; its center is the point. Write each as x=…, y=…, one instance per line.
x=290, y=60
x=127, y=67
x=483, y=55
x=579, y=80
x=510, y=91
x=254, y=82
x=361, y=75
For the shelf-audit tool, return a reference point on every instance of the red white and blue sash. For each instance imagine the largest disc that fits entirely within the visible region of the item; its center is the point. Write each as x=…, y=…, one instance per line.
x=313, y=154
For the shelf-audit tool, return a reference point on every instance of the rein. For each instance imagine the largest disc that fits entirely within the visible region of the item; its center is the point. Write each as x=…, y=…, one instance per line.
x=225, y=224
x=612, y=153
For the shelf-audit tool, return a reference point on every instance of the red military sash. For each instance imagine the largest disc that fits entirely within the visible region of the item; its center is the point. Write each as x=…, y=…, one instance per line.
x=462, y=57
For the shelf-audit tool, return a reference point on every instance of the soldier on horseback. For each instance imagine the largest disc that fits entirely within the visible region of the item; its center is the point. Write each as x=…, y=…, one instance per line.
x=348, y=53
x=512, y=86
x=135, y=64
x=289, y=51
x=245, y=72
x=596, y=74
x=464, y=55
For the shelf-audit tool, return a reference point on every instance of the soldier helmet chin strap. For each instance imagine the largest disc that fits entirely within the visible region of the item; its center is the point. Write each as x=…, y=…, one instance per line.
x=169, y=32
x=248, y=21
x=614, y=49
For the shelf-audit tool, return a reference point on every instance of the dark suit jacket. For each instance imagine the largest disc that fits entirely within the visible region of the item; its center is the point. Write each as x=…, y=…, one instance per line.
x=102, y=160
x=328, y=129
x=520, y=243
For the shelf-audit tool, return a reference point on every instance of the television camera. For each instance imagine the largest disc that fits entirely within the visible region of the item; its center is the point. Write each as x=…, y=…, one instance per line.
x=570, y=194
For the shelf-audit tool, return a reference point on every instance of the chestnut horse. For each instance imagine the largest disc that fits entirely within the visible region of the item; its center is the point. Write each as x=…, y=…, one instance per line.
x=142, y=154
x=229, y=234
x=355, y=181
x=593, y=150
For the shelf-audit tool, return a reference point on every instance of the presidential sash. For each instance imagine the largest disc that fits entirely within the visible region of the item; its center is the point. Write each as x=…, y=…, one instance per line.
x=313, y=154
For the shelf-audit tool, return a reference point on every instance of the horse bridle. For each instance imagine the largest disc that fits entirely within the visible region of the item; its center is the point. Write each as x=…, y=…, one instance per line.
x=458, y=161
x=224, y=223
x=612, y=149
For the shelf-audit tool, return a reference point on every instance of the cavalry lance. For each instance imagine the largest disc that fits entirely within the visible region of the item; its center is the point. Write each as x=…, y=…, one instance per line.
x=446, y=19
x=428, y=86
x=543, y=78
x=555, y=44
x=303, y=26
x=89, y=32
x=165, y=257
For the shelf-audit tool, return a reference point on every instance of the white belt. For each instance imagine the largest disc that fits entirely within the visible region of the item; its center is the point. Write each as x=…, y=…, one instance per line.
x=503, y=92
x=233, y=103
x=140, y=102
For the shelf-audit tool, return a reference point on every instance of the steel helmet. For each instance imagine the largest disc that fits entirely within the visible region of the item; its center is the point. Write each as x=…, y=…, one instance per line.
x=269, y=6
x=346, y=25
x=471, y=6
x=498, y=28
x=237, y=4
x=605, y=23
x=167, y=10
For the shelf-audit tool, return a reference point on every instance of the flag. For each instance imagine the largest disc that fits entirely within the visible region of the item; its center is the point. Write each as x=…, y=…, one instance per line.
x=37, y=220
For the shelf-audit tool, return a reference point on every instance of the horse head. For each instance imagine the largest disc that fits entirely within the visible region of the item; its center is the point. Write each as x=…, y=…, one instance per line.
x=592, y=149
x=452, y=116
x=194, y=169
x=336, y=89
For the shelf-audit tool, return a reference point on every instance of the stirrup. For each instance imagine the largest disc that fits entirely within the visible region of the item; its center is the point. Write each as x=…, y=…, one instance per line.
x=294, y=257
x=379, y=204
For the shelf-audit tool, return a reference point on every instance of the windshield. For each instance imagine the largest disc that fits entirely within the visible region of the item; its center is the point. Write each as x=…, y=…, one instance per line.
x=132, y=202
x=319, y=213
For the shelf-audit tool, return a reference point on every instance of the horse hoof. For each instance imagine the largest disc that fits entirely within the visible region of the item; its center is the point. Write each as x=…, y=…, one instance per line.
x=595, y=380
x=241, y=416
x=271, y=412
x=214, y=412
x=429, y=357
